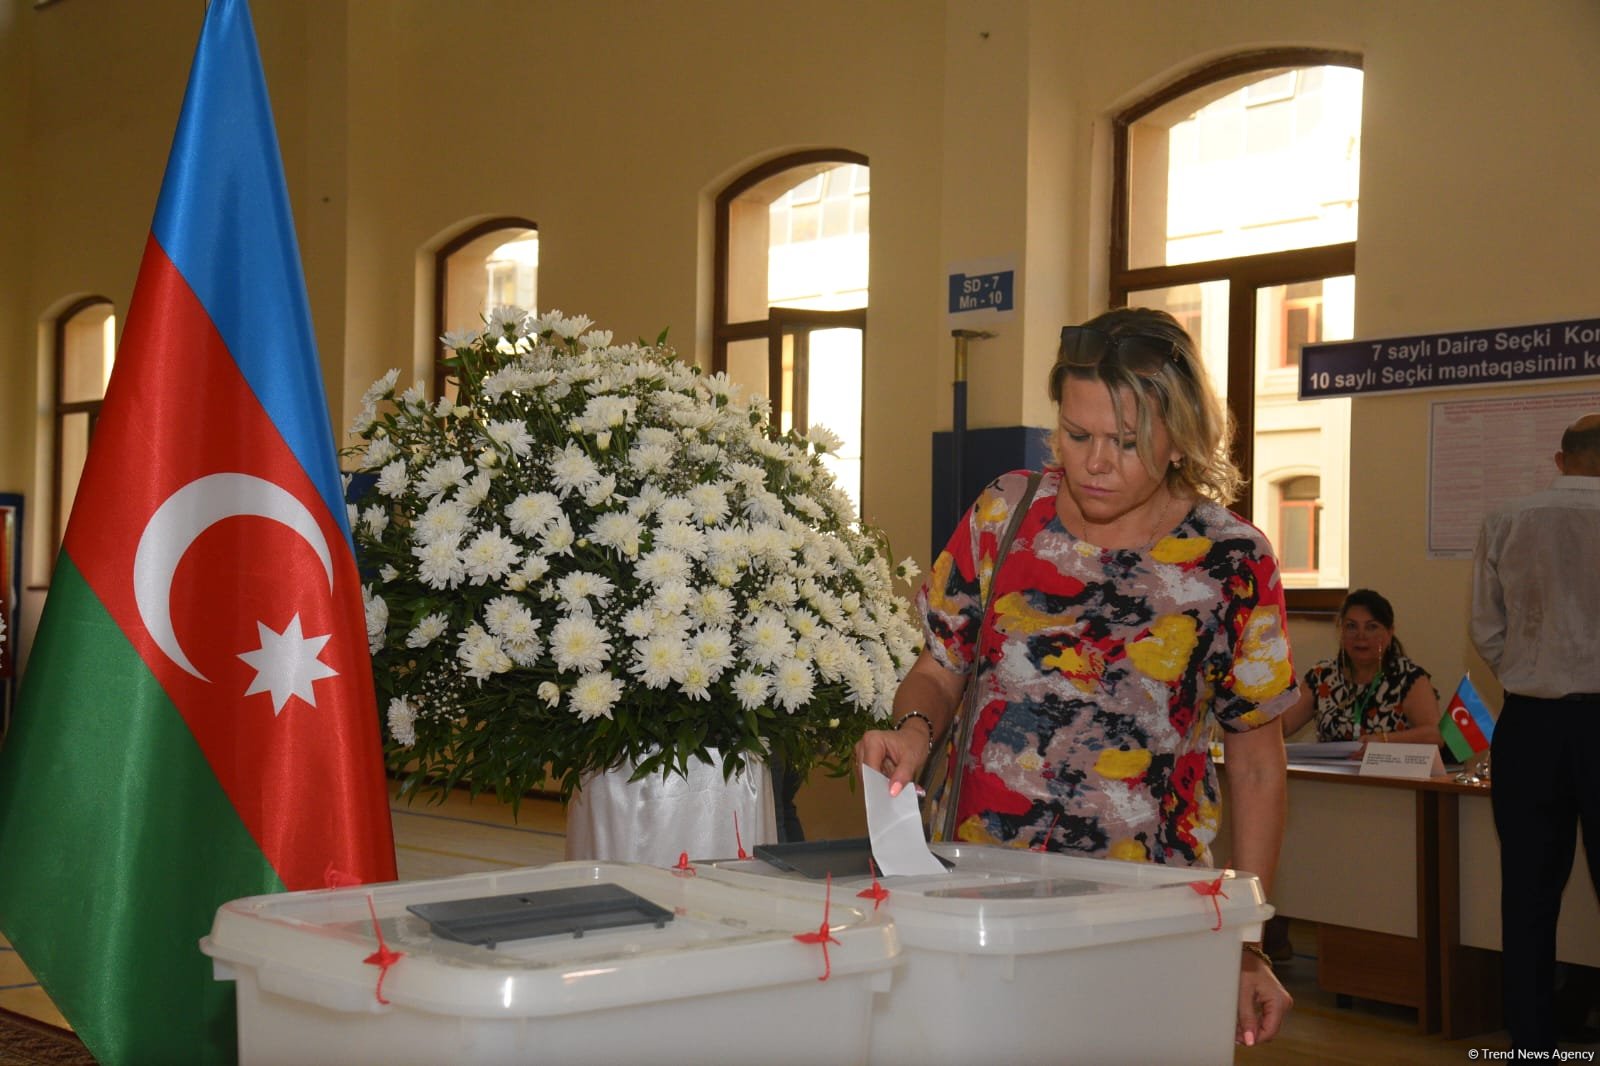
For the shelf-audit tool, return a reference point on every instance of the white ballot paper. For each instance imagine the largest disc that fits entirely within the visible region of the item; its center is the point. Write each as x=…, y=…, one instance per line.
x=895, y=825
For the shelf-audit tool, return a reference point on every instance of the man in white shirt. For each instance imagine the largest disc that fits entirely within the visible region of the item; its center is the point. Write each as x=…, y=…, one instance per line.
x=1535, y=594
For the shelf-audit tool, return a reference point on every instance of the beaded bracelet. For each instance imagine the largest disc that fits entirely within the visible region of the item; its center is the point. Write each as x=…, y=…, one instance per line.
x=1258, y=952
x=904, y=718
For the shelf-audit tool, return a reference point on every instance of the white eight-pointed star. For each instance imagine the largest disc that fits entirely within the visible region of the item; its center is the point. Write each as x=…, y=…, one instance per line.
x=286, y=664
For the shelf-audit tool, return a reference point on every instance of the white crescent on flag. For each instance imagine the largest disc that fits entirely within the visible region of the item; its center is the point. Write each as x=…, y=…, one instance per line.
x=186, y=514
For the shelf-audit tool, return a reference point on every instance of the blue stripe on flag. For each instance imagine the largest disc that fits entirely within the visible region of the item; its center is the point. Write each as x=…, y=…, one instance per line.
x=223, y=219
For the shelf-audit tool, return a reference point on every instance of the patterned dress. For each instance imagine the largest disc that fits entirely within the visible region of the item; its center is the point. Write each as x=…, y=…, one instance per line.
x=1341, y=702
x=1104, y=673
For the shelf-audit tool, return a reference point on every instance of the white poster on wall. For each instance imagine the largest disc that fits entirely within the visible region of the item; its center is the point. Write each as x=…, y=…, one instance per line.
x=1482, y=453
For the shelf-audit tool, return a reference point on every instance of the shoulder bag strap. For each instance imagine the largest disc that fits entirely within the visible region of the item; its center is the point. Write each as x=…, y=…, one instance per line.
x=941, y=816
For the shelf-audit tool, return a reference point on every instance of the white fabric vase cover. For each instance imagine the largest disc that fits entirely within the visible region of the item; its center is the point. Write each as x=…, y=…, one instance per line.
x=662, y=817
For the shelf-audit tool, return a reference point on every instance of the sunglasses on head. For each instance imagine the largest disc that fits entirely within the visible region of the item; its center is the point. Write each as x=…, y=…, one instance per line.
x=1087, y=347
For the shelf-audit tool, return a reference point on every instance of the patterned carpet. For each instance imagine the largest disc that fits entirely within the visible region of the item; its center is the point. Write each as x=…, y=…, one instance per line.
x=26, y=1042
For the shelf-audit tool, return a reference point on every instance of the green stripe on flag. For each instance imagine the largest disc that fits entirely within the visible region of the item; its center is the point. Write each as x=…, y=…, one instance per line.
x=117, y=844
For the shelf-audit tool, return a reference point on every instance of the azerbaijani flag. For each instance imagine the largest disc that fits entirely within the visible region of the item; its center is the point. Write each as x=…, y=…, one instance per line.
x=1466, y=725
x=197, y=721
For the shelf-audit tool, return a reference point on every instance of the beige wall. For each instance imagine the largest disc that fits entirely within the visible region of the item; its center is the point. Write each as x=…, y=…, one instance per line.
x=612, y=123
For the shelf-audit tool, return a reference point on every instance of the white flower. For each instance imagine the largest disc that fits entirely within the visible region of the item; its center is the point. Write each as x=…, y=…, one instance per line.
x=402, y=722
x=578, y=644
x=824, y=440
x=375, y=520
x=427, y=631
x=695, y=679
x=387, y=573
x=672, y=598
x=684, y=539
x=658, y=660
x=751, y=689
x=573, y=471
x=550, y=692
x=712, y=606
x=511, y=436
x=490, y=556
x=529, y=512
x=580, y=586
x=443, y=520
x=598, y=338
x=639, y=622
x=710, y=504
x=662, y=565
x=392, y=478
x=793, y=684
x=767, y=640
x=380, y=388
x=571, y=327
x=480, y=654
x=378, y=453
x=377, y=618
x=442, y=475
x=557, y=537
x=713, y=649
x=619, y=531
x=457, y=339
x=601, y=491
x=674, y=511
x=439, y=563
x=595, y=695
x=507, y=322
x=475, y=491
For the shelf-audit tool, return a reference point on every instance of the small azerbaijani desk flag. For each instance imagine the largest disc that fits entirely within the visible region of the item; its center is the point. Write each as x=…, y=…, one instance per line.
x=197, y=722
x=1466, y=725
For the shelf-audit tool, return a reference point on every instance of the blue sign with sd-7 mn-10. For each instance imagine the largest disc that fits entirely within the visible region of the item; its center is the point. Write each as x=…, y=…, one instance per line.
x=983, y=292
x=1505, y=356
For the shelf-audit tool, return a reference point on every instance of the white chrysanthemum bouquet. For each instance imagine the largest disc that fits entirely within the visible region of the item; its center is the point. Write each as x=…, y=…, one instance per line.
x=596, y=554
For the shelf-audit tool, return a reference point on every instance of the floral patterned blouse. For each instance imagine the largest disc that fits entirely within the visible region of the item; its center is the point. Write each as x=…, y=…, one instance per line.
x=1103, y=673
x=1340, y=701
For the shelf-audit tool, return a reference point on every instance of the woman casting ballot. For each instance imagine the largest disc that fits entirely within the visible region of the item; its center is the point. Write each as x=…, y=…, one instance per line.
x=1132, y=616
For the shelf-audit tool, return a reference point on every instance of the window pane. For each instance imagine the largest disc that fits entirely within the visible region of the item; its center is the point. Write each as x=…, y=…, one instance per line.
x=1262, y=163
x=833, y=397
x=747, y=365
x=74, y=430
x=88, y=348
x=500, y=267
x=1202, y=310
x=1302, y=448
x=822, y=263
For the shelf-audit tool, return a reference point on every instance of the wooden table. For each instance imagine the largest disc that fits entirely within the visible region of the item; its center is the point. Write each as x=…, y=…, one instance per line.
x=1402, y=878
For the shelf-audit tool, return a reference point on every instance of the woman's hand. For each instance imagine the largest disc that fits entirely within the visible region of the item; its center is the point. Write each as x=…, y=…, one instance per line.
x=1263, y=1002
x=924, y=705
x=899, y=754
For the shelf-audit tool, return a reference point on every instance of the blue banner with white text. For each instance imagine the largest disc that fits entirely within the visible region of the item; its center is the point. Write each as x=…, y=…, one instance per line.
x=1508, y=355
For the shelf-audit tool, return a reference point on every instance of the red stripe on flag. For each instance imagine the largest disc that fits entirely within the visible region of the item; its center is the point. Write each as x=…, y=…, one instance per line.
x=307, y=780
x=1462, y=717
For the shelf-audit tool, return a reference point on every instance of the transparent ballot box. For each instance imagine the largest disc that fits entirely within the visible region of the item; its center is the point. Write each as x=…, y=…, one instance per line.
x=1029, y=957
x=574, y=962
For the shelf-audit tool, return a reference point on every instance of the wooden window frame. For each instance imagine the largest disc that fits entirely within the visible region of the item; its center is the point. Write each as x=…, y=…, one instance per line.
x=1244, y=274
x=62, y=409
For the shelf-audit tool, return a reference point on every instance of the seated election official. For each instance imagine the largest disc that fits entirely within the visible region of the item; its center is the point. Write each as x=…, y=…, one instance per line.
x=1370, y=690
x=1131, y=617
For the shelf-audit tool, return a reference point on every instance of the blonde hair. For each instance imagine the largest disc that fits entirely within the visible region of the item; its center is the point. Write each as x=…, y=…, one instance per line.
x=1177, y=391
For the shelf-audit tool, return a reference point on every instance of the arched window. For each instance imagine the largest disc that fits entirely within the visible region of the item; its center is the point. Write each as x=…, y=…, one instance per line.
x=1237, y=189
x=85, y=346
x=791, y=294
x=1295, y=526
x=493, y=263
